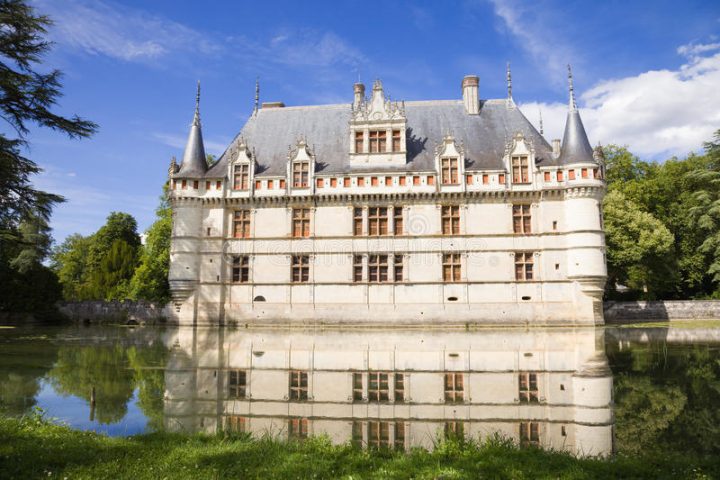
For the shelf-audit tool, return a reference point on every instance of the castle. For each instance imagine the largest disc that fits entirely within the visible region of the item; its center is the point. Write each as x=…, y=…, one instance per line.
x=441, y=212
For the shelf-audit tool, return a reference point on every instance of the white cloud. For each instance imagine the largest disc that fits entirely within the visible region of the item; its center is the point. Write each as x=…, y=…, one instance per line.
x=657, y=113
x=309, y=48
x=103, y=28
x=174, y=140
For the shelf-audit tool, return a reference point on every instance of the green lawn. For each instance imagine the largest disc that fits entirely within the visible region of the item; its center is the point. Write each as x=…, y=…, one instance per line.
x=34, y=448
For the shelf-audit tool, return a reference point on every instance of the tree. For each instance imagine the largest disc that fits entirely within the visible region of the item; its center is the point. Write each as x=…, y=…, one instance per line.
x=26, y=98
x=69, y=262
x=150, y=281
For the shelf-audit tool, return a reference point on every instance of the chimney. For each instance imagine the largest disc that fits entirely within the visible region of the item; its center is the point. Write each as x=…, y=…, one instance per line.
x=470, y=94
x=266, y=105
x=556, y=147
x=359, y=90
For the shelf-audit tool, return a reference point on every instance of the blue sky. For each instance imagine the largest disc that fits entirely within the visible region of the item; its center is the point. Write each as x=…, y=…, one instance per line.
x=646, y=74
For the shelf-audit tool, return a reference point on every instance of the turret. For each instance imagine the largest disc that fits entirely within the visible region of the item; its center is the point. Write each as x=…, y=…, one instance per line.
x=194, y=162
x=575, y=145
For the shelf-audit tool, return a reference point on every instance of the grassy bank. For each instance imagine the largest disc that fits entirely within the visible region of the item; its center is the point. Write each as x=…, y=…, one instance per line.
x=34, y=448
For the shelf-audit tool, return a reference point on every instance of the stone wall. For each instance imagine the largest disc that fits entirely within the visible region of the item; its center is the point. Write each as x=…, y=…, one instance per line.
x=114, y=312
x=661, y=310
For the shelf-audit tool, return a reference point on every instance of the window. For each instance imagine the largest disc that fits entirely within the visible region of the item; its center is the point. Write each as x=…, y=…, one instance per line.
x=270, y=184
x=546, y=176
x=454, y=387
x=520, y=171
x=357, y=387
x=357, y=221
x=378, y=221
x=560, y=176
x=241, y=269
x=237, y=383
x=357, y=268
x=501, y=179
x=455, y=430
x=298, y=385
x=469, y=179
x=430, y=180
x=184, y=184
x=258, y=184
x=357, y=434
x=241, y=177
x=346, y=182
x=378, y=434
x=451, y=267
x=361, y=181
x=403, y=181
x=528, y=387
x=301, y=222
x=398, y=268
x=449, y=171
x=235, y=424
x=521, y=219
x=399, y=387
x=388, y=181
x=398, y=226
x=485, y=178
x=399, y=436
x=416, y=180
x=450, y=219
x=218, y=184
x=523, y=265
x=373, y=181
x=571, y=174
x=297, y=428
x=207, y=185
x=359, y=140
x=396, y=141
x=378, y=387
x=196, y=184
x=597, y=173
x=333, y=182
x=241, y=224
x=584, y=173
x=378, y=268
x=300, y=268
x=529, y=434
x=320, y=182
x=300, y=174
x=378, y=141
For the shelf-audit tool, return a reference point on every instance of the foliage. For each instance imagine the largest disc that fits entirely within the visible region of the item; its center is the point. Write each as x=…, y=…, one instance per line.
x=28, y=92
x=150, y=280
x=32, y=447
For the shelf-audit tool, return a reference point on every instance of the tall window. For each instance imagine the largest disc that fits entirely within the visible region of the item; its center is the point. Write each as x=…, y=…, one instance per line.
x=378, y=268
x=378, y=220
x=378, y=387
x=301, y=174
x=523, y=265
x=357, y=387
x=298, y=385
x=399, y=436
x=398, y=271
x=396, y=141
x=451, y=267
x=357, y=268
x=529, y=434
x=377, y=141
x=357, y=221
x=241, y=224
x=300, y=268
x=521, y=219
x=237, y=383
x=454, y=387
x=449, y=173
x=455, y=430
x=241, y=177
x=450, y=220
x=398, y=225
x=297, y=428
x=520, y=171
x=399, y=387
x=240, y=269
x=378, y=434
x=528, y=387
x=359, y=139
x=301, y=222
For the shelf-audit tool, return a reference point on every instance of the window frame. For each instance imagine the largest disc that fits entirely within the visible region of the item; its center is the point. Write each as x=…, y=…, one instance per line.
x=241, y=223
x=522, y=218
x=454, y=386
x=524, y=262
x=298, y=385
x=300, y=269
x=520, y=168
x=240, y=269
x=450, y=219
x=452, y=267
x=300, y=227
x=237, y=388
x=301, y=174
x=241, y=178
x=450, y=171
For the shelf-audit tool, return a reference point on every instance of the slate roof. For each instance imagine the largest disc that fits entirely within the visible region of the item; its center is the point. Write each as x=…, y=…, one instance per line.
x=271, y=132
x=194, y=163
x=575, y=147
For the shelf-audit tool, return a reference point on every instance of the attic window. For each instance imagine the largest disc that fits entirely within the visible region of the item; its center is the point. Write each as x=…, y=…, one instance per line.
x=378, y=141
x=520, y=170
x=300, y=174
x=449, y=175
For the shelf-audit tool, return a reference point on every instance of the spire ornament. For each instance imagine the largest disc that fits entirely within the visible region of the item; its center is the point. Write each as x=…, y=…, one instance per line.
x=257, y=95
x=541, y=122
x=196, y=117
x=573, y=105
x=509, y=82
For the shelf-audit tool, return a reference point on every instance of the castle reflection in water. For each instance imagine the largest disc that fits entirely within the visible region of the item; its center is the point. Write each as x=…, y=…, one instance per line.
x=397, y=389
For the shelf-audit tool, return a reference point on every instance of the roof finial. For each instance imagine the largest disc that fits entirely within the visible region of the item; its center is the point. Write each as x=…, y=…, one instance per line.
x=541, y=124
x=196, y=118
x=573, y=105
x=509, y=81
x=257, y=95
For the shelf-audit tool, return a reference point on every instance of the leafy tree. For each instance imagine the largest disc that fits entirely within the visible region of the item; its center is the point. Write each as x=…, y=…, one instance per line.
x=69, y=261
x=27, y=95
x=150, y=281
x=111, y=279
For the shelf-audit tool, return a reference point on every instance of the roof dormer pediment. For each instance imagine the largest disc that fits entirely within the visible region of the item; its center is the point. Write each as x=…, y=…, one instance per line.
x=378, y=108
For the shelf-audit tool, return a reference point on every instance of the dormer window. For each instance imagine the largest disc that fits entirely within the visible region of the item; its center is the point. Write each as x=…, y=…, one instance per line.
x=378, y=141
x=241, y=177
x=449, y=172
x=396, y=141
x=359, y=141
x=520, y=169
x=300, y=174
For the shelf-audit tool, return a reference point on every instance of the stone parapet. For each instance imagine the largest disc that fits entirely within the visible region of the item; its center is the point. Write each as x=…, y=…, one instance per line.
x=126, y=312
x=661, y=310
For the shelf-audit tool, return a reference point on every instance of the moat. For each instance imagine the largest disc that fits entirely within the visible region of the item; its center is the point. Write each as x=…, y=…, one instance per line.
x=589, y=391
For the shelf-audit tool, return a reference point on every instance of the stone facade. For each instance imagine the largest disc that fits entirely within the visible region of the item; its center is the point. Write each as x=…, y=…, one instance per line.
x=438, y=212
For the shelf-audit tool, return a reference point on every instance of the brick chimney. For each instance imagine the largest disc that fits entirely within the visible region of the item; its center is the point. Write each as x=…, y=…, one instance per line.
x=359, y=90
x=556, y=147
x=470, y=94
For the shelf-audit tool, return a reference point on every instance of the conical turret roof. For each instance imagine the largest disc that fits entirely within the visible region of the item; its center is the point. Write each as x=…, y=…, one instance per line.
x=194, y=163
x=575, y=146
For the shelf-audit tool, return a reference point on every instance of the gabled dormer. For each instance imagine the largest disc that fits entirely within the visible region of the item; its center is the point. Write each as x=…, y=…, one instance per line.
x=450, y=164
x=241, y=169
x=377, y=129
x=520, y=160
x=301, y=168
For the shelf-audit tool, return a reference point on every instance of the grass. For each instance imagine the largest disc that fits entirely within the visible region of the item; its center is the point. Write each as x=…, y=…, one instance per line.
x=32, y=447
